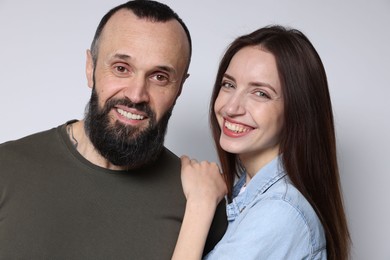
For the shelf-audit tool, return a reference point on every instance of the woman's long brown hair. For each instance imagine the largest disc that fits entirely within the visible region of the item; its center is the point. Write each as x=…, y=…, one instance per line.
x=308, y=143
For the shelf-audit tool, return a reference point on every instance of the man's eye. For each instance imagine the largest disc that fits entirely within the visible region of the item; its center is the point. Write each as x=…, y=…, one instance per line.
x=160, y=79
x=121, y=69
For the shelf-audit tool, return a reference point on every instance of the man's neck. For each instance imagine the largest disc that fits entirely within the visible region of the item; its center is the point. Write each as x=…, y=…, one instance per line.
x=84, y=146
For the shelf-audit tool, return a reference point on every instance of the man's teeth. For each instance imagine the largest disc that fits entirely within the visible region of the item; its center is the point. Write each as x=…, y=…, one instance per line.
x=236, y=128
x=130, y=115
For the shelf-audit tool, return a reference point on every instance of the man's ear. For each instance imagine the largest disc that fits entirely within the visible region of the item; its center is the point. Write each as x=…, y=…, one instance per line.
x=182, y=84
x=89, y=69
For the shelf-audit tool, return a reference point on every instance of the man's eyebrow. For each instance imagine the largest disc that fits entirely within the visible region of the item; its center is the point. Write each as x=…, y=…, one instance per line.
x=122, y=56
x=167, y=69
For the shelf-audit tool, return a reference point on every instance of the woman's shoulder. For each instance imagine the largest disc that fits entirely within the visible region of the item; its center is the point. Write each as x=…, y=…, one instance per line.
x=289, y=196
x=278, y=224
x=282, y=207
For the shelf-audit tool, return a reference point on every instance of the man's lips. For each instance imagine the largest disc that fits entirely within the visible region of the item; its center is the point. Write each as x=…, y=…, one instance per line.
x=130, y=112
x=130, y=115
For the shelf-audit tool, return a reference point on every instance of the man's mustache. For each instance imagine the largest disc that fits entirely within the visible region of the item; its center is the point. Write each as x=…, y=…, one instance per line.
x=143, y=107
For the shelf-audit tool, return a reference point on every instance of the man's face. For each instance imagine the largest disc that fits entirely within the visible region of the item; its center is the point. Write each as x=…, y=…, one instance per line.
x=138, y=74
x=125, y=145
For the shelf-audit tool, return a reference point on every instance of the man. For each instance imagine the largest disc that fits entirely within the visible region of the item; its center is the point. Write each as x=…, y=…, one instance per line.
x=106, y=187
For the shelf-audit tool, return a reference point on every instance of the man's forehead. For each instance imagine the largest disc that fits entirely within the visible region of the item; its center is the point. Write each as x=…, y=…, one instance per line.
x=124, y=29
x=125, y=19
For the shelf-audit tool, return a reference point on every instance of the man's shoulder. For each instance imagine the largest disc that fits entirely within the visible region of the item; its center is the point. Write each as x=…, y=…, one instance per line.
x=169, y=155
x=167, y=163
x=29, y=144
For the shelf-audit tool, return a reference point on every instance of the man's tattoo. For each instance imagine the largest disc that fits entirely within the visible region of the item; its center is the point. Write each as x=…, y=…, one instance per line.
x=69, y=129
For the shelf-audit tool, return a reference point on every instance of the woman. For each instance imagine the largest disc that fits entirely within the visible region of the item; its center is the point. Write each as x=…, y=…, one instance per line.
x=272, y=123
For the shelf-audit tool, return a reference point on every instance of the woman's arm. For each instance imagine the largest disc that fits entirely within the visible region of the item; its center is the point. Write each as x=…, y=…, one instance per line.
x=204, y=188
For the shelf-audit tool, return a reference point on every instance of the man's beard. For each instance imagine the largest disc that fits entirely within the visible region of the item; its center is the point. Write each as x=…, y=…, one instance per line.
x=120, y=144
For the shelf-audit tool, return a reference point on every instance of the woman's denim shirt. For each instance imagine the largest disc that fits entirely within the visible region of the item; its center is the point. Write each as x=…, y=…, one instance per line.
x=270, y=219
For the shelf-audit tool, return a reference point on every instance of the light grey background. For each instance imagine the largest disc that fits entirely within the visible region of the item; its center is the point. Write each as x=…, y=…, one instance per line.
x=42, y=82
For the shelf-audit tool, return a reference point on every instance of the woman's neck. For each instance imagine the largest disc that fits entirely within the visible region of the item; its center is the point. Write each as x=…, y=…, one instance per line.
x=253, y=165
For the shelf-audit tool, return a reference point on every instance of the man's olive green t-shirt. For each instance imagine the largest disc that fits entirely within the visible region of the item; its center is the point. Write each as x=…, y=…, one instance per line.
x=54, y=204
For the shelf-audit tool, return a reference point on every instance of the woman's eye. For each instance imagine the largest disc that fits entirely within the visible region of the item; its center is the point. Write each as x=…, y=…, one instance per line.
x=226, y=85
x=262, y=94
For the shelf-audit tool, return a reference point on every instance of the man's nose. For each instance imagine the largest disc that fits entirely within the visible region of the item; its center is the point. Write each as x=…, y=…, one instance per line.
x=137, y=89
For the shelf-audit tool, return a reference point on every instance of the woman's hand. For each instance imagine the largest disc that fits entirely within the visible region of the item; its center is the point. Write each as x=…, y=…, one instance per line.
x=202, y=181
x=204, y=187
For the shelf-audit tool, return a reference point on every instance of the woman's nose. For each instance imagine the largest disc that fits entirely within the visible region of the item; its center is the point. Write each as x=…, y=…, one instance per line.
x=235, y=105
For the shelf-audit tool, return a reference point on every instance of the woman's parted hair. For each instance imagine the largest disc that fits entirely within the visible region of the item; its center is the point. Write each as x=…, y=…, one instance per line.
x=308, y=144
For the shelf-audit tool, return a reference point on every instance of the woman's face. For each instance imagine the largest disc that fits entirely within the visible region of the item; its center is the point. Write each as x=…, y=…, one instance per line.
x=249, y=107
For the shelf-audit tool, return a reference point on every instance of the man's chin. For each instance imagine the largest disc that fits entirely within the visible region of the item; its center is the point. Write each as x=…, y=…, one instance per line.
x=134, y=131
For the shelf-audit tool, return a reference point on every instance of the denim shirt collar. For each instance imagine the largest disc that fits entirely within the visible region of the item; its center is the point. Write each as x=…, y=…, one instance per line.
x=264, y=179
